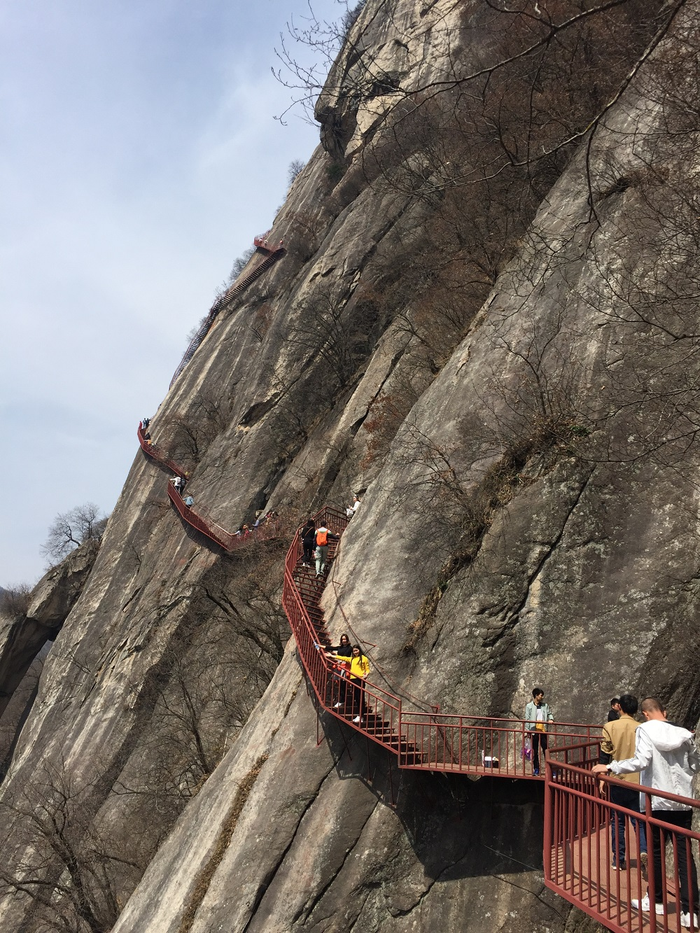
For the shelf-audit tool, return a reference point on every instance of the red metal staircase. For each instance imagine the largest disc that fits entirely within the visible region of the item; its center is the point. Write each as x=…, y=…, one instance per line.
x=197, y=517
x=422, y=738
x=577, y=831
x=578, y=821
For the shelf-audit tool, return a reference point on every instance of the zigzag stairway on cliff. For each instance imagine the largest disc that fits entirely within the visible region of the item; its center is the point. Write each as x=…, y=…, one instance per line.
x=578, y=821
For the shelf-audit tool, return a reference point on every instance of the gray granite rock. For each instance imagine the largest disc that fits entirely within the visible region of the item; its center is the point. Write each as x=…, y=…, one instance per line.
x=527, y=477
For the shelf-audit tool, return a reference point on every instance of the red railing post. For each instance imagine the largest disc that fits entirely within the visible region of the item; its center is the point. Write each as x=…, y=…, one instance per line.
x=547, y=830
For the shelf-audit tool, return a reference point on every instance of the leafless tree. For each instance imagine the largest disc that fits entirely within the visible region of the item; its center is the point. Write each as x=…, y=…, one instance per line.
x=64, y=867
x=189, y=433
x=296, y=166
x=305, y=74
x=70, y=529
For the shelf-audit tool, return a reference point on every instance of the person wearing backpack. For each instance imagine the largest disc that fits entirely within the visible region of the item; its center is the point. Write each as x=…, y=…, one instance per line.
x=323, y=536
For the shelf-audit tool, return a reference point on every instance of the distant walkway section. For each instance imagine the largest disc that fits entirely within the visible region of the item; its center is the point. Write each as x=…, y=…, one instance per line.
x=263, y=246
x=198, y=518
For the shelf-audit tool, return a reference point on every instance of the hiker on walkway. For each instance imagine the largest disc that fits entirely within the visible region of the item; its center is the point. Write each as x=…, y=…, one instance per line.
x=177, y=483
x=351, y=509
x=359, y=672
x=615, y=709
x=189, y=501
x=667, y=758
x=308, y=539
x=323, y=536
x=538, y=715
x=340, y=656
x=618, y=743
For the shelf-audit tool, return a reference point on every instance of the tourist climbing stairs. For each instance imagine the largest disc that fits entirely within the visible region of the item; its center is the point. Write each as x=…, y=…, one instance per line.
x=419, y=734
x=578, y=820
x=334, y=692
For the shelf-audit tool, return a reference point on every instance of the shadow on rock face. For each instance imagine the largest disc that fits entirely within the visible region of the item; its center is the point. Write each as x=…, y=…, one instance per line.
x=483, y=825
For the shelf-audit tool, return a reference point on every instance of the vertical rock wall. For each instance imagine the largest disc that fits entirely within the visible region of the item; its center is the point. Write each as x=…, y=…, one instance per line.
x=513, y=395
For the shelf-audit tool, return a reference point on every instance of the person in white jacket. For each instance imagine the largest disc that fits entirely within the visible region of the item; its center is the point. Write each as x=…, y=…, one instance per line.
x=667, y=758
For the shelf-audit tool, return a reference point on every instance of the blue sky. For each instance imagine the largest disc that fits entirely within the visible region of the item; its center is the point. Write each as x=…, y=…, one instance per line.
x=139, y=155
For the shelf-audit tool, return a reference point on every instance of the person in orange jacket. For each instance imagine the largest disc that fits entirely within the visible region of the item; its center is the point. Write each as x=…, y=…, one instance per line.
x=323, y=536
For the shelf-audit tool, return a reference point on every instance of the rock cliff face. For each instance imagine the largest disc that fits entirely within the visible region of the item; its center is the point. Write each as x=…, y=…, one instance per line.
x=485, y=324
x=24, y=635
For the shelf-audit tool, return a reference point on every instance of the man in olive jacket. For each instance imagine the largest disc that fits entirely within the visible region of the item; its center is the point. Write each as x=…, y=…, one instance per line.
x=618, y=742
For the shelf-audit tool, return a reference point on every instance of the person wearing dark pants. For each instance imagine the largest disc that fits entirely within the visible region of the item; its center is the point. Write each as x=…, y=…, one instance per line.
x=538, y=716
x=667, y=758
x=618, y=742
x=687, y=873
x=341, y=656
x=308, y=538
x=628, y=798
x=359, y=671
x=539, y=741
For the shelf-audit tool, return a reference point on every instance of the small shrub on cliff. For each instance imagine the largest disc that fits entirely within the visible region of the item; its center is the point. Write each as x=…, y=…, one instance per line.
x=14, y=601
x=296, y=166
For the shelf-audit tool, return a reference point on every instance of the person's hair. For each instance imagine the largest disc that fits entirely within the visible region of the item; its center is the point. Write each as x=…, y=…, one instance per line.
x=536, y=692
x=652, y=705
x=344, y=636
x=614, y=701
x=628, y=704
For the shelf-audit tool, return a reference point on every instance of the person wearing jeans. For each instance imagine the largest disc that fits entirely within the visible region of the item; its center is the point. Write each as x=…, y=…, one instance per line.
x=667, y=758
x=618, y=742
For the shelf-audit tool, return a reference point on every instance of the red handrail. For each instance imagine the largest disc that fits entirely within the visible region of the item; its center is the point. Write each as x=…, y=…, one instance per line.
x=577, y=841
x=157, y=453
x=198, y=518
x=382, y=724
x=191, y=517
x=578, y=851
x=421, y=740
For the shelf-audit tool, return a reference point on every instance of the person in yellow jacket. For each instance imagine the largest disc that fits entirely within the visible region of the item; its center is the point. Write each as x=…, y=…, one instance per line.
x=359, y=672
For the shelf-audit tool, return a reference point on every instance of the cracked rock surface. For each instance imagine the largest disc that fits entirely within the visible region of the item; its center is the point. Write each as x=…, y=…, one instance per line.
x=527, y=469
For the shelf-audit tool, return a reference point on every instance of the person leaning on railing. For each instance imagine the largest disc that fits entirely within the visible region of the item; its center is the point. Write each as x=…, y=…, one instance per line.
x=359, y=672
x=340, y=656
x=538, y=715
x=667, y=758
